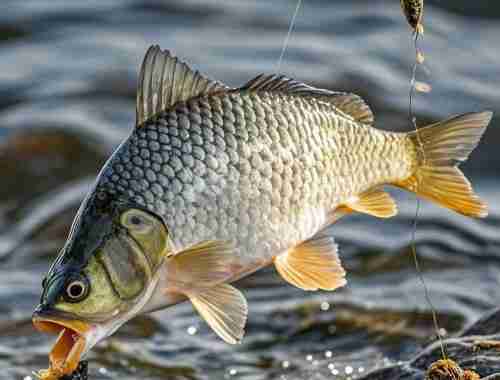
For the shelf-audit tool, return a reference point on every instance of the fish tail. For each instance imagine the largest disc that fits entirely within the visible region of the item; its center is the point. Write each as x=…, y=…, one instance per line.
x=440, y=148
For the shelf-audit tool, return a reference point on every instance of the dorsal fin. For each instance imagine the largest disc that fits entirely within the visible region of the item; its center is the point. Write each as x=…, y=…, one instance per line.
x=165, y=80
x=351, y=104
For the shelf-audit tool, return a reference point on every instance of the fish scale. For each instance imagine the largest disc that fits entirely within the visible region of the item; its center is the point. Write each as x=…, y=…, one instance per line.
x=246, y=167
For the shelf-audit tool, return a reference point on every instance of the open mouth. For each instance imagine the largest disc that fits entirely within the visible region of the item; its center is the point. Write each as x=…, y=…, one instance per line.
x=69, y=347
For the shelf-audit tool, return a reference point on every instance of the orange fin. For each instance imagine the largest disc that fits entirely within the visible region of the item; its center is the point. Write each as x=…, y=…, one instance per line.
x=198, y=273
x=225, y=310
x=339, y=213
x=444, y=146
x=205, y=264
x=374, y=202
x=312, y=265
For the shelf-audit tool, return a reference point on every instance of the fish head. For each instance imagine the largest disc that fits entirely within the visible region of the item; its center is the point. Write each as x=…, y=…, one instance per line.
x=103, y=276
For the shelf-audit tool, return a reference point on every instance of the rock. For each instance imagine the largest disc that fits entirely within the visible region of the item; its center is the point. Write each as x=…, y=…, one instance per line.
x=476, y=352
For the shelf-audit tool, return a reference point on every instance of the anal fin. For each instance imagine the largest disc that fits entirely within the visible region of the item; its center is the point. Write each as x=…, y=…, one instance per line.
x=312, y=265
x=374, y=202
x=225, y=310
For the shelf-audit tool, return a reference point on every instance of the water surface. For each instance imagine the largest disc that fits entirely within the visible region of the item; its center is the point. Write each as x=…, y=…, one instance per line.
x=67, y=86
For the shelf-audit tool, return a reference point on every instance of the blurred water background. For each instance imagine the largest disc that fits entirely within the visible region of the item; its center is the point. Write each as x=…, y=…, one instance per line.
x=68, y=73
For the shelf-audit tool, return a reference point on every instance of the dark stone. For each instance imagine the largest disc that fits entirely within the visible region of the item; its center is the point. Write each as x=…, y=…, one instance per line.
x=477, y=348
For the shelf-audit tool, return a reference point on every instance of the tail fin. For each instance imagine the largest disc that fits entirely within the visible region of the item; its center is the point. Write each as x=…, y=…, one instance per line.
x=441, y=147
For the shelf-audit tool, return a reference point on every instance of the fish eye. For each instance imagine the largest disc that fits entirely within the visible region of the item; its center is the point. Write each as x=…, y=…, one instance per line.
x=76, y=290
x=136, y=220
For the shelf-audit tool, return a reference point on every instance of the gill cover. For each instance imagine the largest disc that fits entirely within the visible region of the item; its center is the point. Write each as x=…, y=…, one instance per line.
x=112, y=253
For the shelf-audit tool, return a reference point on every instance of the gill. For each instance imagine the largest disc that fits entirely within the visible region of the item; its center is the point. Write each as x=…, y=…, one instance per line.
x=413, y=10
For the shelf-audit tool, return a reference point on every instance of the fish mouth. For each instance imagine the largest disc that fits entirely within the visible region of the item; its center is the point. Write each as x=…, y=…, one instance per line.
x=70, y=344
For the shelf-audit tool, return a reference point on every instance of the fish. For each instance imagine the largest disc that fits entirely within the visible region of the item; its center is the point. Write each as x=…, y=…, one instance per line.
x=215, y=182
x=414, y=12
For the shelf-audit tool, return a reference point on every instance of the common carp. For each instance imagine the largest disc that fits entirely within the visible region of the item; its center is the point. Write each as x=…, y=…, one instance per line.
x=214, y=183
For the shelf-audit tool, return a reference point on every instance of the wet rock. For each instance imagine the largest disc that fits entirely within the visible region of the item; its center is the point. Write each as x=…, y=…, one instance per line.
x=475, y=355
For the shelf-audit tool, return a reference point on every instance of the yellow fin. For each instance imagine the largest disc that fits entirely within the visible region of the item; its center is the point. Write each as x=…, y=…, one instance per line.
x=375, y=202
x=448, y=187
x=205, y=264
x=312, y=265
x=225, y=310
x=444, y=146
x=338, y=213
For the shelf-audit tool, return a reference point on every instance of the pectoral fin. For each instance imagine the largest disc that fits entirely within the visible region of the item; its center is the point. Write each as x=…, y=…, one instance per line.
x=204, y=264
x=374, y=202
x=225, y=310
x=198, y=273
x=312, y=265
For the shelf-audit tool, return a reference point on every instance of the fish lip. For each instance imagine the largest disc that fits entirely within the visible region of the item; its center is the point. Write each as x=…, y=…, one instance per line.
x=71, y=342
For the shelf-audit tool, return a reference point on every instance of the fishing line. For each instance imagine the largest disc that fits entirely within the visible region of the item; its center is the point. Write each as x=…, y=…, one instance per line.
x=418, y=60
x=290, y=29
x=413, y=121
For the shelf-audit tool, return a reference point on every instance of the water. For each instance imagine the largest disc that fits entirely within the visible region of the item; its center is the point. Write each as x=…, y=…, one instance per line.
x=67, y=85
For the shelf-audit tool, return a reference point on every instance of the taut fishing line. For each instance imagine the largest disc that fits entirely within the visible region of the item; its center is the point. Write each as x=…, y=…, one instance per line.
x=289, y=33
x=419, y=59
